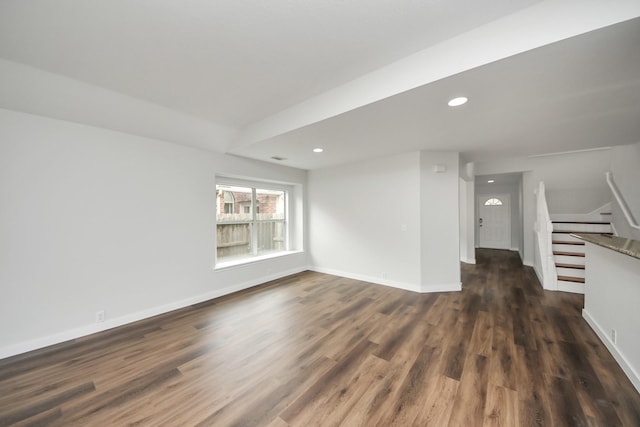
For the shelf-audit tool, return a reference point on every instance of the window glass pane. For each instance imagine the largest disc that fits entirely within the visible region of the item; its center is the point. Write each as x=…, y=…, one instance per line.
x=233, y=241
x=249, y=222
x=271, y=236
x=232, y=203
x=493, y=202
x=270, y=204
x=233, y=229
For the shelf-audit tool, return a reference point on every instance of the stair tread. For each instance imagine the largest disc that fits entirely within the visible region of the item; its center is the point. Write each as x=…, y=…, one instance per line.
x=580, y=232
x=582, y=222
x=580, y=254
x=576, y=266
x=568, y=242
x=571, y=279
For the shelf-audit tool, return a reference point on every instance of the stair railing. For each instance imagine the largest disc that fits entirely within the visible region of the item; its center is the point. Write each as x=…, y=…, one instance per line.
x=544, y=230
x=621, y=202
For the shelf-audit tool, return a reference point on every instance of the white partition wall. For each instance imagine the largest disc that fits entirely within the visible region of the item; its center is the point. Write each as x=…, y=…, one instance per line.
x=611, y=299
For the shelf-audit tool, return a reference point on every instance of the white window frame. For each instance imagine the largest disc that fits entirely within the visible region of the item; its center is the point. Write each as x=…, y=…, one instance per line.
x=254, y=185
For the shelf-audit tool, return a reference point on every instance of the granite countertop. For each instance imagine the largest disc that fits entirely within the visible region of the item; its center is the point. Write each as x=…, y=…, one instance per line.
x=619, y=244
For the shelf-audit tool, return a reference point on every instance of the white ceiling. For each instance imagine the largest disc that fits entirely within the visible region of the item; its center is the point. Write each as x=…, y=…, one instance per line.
x=579, y=93
x=271, y=71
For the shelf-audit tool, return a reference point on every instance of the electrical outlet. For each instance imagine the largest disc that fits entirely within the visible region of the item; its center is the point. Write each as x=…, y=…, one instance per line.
x=100, y=316
x=614, y=336
x=383, y=275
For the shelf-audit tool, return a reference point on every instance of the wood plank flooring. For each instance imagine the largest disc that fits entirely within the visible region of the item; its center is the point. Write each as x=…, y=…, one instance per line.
x=319, y=350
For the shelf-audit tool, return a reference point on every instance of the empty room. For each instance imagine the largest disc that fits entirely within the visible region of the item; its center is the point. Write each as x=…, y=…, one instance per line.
x=321, y=213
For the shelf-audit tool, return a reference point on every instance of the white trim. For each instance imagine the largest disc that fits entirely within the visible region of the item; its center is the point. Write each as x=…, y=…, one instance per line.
x=34, y=344
x=621, y=202
x=468, y=260
x=559, y=153
x=633, y=376
x=441, y=287
x=370, y=279
x=537, y=274
x=254, y=259
x=420, y=288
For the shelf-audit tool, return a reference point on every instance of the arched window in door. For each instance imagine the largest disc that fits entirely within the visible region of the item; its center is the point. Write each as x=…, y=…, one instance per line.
x=493, y=202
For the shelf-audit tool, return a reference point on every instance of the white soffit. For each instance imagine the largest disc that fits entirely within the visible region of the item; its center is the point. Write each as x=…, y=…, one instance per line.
x=229, y=62
x=236, y=76
x=33, y=91
x=575, y=94
x=539, y=25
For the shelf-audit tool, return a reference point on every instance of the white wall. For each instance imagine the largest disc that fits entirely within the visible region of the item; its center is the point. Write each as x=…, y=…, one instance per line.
x=364, y=220
x=391, y=221
x=92, y=219
x=439, y=222
x=613, y=305
x=467, y=222
x=625, y=165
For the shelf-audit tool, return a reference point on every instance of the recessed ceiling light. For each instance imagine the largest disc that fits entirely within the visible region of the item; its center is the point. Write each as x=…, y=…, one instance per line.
x=318, y=150
x=455, y=102
x=490, y=181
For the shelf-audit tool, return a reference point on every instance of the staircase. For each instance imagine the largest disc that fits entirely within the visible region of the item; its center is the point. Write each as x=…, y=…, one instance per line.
x=568, y=251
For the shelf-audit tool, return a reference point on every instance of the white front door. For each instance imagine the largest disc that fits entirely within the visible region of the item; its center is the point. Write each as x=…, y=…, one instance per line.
x=494, y=221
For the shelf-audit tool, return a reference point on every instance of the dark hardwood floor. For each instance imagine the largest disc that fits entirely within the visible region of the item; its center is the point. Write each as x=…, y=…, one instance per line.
x=314, y=349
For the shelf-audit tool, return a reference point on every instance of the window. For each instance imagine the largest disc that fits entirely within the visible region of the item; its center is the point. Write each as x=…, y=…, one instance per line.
x=493, y=202
x=254, y=226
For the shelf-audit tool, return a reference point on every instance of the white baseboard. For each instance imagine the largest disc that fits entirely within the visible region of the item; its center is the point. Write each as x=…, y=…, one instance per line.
x=370, y=279
x=468, y=260
x=613, y=349
x=420, y=288
x=34, y=344
x=538, y=274
x=444, y=287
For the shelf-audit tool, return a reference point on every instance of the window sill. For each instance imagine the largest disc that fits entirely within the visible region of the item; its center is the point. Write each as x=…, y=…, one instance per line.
x=244, y=261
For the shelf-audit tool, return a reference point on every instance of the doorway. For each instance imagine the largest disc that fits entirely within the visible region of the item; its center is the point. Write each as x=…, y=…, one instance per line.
x=494, y=221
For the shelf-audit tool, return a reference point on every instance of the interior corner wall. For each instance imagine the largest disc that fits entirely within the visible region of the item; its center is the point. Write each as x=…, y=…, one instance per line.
x=92, y=219
x=467, y=221
x=574, y=182
x=625, y=166
x=364, y=220
x=439, y=221
x=528, y=217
